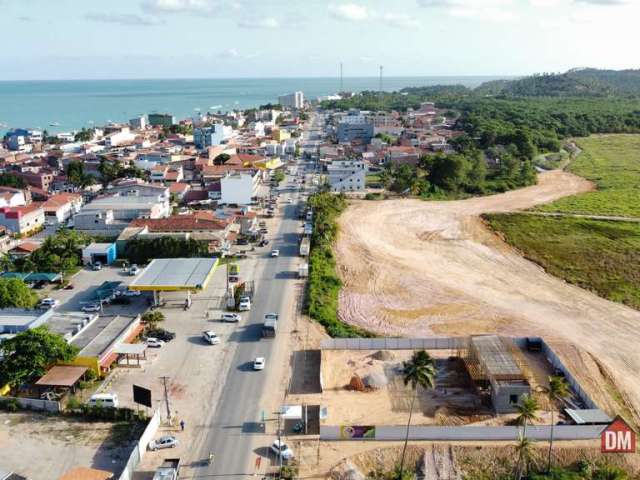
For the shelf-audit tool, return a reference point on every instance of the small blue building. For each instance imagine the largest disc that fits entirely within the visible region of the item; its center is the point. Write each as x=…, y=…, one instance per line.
x=105, y=253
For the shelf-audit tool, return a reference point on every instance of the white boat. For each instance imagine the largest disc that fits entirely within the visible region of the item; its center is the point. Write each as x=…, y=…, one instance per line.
x=54, y=124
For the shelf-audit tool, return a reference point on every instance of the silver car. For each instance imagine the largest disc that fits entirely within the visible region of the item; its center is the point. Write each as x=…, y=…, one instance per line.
x=167, y=441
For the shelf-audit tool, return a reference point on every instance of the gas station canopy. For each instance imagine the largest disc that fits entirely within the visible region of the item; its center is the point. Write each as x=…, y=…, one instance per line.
x=175, y=274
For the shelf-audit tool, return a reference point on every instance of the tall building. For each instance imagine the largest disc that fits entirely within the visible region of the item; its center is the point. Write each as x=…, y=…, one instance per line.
x=161, y=119
x=292, y=100
x=347, y=175
x=211, y=136
x=138, y=123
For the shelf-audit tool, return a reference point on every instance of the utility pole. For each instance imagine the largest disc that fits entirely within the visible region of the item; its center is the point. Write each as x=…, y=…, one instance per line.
x=166, y=396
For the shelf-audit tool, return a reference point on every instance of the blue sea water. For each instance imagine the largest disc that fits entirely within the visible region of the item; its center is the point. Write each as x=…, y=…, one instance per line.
x=78, y=103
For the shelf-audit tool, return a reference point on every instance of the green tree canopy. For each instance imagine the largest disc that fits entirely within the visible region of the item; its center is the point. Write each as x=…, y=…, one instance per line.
x=76, y=175
x=11, y=180
x=14, y=293
x=28, y=355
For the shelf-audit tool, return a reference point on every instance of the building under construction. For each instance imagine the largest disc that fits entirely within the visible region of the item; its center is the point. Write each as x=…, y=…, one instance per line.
x=497, y=371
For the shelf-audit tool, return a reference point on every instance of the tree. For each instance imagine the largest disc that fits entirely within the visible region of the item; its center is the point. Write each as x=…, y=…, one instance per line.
x=6, y=263
x=557, y=390
x=152, y=317
x=58, y=253
x=28, y=355
x=221, y=159
x=84, y=135
x=448, y=171
x=523, y=451
x=420, y=371
x=14, y=293
x=11, y=180
x=76, y=175
x=527, y=409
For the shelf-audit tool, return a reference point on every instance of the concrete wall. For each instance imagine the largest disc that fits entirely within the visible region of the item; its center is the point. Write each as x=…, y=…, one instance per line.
x=35, y=404
x=462, y=433
x=141, y=448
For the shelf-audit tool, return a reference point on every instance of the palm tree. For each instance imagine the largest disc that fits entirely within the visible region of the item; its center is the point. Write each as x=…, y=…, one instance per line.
x=419, y=371
x=527, y=409
x=556, y=391
x=523, y=449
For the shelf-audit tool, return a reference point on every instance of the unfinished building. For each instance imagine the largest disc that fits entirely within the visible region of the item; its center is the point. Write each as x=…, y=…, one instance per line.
x=497, y=372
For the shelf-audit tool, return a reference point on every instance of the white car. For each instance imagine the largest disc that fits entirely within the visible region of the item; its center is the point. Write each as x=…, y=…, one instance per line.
x=134, y=270
x=245, y=305
x=49, y=303
x=167, y=441
x=132, y=293
x=92, y=307
x=289, y=200
x=230, y=317
x=275, y=253
x=153, y=342
x=258, y=363
x=281, y=449
x=210, y=337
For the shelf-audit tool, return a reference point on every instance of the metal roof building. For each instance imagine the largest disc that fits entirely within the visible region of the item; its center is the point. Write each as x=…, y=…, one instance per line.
x=175, y=274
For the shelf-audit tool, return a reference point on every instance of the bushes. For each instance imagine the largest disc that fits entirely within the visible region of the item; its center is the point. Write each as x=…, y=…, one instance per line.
x=323, y=286
x=142, y=250
x=152, y=317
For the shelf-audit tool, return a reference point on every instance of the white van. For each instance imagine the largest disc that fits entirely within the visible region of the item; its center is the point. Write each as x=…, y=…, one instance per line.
x=105, y=400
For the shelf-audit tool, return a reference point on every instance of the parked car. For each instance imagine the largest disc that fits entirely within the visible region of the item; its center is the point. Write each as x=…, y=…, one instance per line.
x=134, y=270
x=210, y=337
x=153, y=342
x=242, y=241
x=230, y=317
x=132, y=293
x=245, y=304
x=258, y=363
x=92, y=307
x=275, y=253
x=263, y=243
x=160, y=333
x=96, y=266
x=166, y=441
x=104, y=400
x=281, y=449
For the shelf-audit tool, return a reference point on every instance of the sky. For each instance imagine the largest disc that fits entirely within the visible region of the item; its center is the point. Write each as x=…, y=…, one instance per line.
x=96, y=39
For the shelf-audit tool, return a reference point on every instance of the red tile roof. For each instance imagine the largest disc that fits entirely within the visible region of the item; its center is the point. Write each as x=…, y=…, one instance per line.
x=182, y=223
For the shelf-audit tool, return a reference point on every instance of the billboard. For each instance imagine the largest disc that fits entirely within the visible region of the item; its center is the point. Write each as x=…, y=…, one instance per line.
x=618, y=437
x=357, y=431
x=142, y=396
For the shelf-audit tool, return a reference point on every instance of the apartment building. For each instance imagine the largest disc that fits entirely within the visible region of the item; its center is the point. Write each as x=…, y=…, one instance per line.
x=347, y=175
x=22, y=220
x=293, y=100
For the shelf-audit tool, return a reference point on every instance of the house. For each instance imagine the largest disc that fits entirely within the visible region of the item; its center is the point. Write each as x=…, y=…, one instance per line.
x=179, y=189
x=105, y=253
x=12, y=197
x=24, y=249
x=239, y=188
x=347, y=175
x=402, y=155
x=22, y=220
x=41, y=179
x=61, y=207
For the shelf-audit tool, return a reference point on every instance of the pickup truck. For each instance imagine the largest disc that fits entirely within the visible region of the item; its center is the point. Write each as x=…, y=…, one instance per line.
x=169, y=470
x=305, y=246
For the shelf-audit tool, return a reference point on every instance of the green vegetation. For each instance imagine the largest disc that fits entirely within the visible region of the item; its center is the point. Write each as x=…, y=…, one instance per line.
x=152, y=317
x=84, y=135
x=373, y=181
x=601, y=256
x=582, y=470
x=221, y=159
x=111, y=170
x=14, y=293
x=11, y=180
x=278, y=176
x=142, y=250
x=551, y=161
x=59, y=253
x=28, y=355
x=323, y=287
x=612, y=162
x=76, y=175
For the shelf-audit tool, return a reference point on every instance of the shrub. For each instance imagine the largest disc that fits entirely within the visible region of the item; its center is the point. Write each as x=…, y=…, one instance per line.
x=152, y=317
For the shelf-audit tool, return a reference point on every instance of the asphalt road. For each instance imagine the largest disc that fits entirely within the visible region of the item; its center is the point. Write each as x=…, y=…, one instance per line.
x=233, y=420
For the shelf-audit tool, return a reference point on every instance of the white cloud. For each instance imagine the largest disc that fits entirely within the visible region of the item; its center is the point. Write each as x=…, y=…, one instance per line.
x=485, y=10
x=267, y=23
x=123, y=19
x=352, y=12
x=401, y=20
x=187, y=6
x=233, y=53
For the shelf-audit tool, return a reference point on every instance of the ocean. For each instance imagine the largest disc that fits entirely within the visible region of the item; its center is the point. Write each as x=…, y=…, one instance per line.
x=62, y=106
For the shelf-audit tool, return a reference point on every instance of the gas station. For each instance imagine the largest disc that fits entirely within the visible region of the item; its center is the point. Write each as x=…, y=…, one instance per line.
x=189, y=275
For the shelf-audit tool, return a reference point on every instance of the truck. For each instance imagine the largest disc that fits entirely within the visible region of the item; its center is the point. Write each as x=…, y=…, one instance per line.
x=303, y=270
x=305, y=246
x=270, y=325
x=169, y=470
x=233, y=272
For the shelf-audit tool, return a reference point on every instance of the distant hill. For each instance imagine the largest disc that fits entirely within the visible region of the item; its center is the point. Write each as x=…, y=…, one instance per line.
x=586, y=82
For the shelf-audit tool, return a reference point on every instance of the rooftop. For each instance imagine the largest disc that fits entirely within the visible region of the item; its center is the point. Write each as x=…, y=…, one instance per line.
x=100, y=334
x=62, y=376
x=171, y=274
x=496, y=358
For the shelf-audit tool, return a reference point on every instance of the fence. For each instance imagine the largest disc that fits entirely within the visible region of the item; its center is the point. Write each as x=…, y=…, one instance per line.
x=431, y=343
x=141, y=447
x=468, y=433
x=35, y=404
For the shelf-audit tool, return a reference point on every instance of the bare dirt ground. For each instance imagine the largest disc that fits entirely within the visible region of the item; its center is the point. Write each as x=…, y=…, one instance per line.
x=414, y=268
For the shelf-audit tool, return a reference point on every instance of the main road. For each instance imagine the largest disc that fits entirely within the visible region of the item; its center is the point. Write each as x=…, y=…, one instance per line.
x=233, y=433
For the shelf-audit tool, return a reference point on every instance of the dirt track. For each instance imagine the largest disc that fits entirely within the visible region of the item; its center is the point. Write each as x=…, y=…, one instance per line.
x=415, y=268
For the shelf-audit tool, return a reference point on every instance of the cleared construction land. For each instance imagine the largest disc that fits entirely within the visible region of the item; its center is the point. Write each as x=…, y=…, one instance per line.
x=414, y=268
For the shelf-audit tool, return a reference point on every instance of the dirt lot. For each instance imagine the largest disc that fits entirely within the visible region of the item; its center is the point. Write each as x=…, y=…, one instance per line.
x=43, y=447
x=414, y=268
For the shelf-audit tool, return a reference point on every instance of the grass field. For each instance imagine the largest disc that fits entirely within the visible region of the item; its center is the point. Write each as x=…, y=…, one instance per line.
x=601, y=256
x=613, y=163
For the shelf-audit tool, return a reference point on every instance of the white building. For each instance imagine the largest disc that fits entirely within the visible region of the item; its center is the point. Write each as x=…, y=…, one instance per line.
x=347, y=175
x=292, y=100
x=239, y=188
x=122, y=137
x=138, y=123
x=12, y=197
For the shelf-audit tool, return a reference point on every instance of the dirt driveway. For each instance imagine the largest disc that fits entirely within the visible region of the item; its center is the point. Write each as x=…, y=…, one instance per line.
x=415, y=268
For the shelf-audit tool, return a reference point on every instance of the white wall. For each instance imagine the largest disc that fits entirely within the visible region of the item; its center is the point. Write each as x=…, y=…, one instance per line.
x=238, y=188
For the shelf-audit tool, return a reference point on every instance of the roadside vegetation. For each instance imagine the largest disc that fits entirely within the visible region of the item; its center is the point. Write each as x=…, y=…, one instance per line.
x=143, y=250
x=323, y=286
x=597, y=255
x=612, y=162
x=14, y=293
